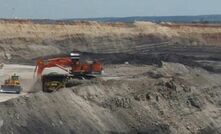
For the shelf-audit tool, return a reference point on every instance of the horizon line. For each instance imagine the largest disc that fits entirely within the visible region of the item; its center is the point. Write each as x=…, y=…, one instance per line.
x=22, y=18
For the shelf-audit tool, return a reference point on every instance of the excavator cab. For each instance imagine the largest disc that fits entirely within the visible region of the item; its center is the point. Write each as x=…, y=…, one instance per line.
x=15, y=78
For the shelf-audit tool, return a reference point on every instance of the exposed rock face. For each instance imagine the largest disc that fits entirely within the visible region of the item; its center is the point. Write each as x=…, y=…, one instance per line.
x=27, y=41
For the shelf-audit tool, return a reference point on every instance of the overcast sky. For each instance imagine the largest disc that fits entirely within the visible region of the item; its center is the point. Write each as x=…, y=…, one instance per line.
x=60, y=9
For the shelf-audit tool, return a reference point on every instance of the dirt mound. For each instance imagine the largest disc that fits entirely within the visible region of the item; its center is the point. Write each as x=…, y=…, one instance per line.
x=67, y=112
x=181, y=100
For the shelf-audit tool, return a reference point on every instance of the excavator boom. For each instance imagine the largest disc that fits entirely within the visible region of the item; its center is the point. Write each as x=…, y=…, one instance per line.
x=61, y=63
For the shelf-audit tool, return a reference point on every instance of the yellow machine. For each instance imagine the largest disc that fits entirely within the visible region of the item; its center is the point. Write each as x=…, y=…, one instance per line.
x=11, y=85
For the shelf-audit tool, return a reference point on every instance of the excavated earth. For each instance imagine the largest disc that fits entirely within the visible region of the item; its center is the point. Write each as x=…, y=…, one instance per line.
x=159, y=78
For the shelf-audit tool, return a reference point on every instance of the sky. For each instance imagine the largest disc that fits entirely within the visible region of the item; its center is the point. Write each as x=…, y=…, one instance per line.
x=63, y=9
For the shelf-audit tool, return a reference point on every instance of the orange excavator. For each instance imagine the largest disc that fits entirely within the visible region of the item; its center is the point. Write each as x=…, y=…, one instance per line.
x=72, y=65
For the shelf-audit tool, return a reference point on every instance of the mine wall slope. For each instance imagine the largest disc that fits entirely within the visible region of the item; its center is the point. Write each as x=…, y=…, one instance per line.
x=24, y=42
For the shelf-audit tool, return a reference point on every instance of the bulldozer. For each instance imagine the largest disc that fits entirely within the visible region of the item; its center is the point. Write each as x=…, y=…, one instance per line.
x=70, y=64
x=11, y=85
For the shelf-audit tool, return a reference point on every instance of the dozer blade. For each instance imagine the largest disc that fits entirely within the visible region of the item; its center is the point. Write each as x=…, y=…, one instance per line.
x=10, y=89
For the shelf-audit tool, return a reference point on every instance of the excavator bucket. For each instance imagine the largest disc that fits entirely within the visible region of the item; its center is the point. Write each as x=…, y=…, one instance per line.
x=53, y=82
x=10, y=89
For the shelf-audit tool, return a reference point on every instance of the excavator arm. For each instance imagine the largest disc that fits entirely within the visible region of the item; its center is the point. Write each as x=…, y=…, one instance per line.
x=61, y=63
